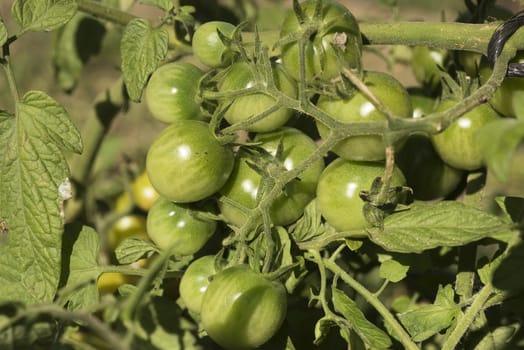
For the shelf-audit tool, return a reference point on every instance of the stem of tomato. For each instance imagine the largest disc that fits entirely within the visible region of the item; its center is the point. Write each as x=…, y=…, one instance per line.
x=467, y=319
x=374, y=301
x=105, y=12
x=5, y=61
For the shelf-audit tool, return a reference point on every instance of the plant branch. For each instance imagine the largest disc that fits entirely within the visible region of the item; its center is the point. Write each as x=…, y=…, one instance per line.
x=374, y=301
x=99, y=10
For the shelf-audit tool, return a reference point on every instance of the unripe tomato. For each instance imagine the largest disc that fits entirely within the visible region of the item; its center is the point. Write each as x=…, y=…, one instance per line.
x=358, y=108
x=508, y=100
x=186, y=163
x=171, y=91
x=242, y=309
x=131, y=225
x=238, y=77
x=244, y=182
x=336, y=26
x=338, y=192
x=195, y=281
x=425, y=172
x=109, y=282
x=456, y=145
x=174, y=225
x=144, y=194
x=208, y=47
x=425, y=64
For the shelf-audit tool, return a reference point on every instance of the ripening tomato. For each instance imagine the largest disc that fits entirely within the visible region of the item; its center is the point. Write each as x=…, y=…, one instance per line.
x=358, y=109
x=239, y=76
x=242, y=309
x=171, y=92
x=244, y=182
x=186, y=163
x=338, y=192
x=456, y=145
x=144, y=194
x=336, y=26
x=131, y=225
x=175, y=226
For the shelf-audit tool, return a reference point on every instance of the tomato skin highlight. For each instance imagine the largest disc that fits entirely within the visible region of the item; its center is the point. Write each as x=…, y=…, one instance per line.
x=456, y=145
x=171, y=92
x=185, y=163
x=358, y=108
x=144, y=194
x=172, y=225
x=242, y=309
x=132, y=225
x=338, y=192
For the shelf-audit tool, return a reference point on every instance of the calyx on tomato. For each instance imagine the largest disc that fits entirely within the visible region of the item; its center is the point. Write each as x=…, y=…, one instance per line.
x=334, y=43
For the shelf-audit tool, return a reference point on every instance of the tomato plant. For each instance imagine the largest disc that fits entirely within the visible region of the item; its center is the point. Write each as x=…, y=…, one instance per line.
x=244, y=183
x=261, y=174
x=171, y=92
x=358, y=108
x=177, y=227
x=242, y=309
x=186, y=163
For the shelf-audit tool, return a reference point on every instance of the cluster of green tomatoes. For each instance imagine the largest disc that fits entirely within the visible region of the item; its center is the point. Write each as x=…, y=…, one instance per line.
x=234, y=137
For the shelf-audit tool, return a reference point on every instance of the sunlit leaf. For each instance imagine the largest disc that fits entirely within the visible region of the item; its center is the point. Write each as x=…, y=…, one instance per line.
x=43, y=15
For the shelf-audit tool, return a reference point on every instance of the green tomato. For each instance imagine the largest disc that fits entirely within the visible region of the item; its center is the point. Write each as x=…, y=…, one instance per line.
x=508, y=100
x=171, y=92
x=239, y=77
x=422, y=104
x=358, y=108
x=144, y=194
x=456, y=145
x=242, y=309
x=208, y=47
x=244, y=182
x=131, y=225
x=335, y=25
x=426, y=65
x=186, y=163
x=338, y=192
x=175, y=226
x=195, y=281
x=425, y=172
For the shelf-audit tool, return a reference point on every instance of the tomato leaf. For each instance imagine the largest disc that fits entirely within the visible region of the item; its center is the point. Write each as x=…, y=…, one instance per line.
x=393, y=270
x=80, y=267
x=510, y=266
x=371, y=335
x=498, y=142
x=43, y=15
x=33, y=172
x=142, y=48
x=498, y=338
x=443, y=224
x=424, y=321
x=75, y=42
x=133, y=249
x=3, y=33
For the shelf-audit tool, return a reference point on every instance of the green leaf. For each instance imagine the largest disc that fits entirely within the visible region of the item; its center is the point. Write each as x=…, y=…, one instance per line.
x=43, y=15
x=393, y=270
x=498, y=142
x=498, y=338
x=506, y=269
x=142, y=48
x=165, y=5
x=430, y=225
x=133, y=249
x=3, y=33
x=33, y=181
x=74, y=44
x=80, y=267
x=371, y=335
